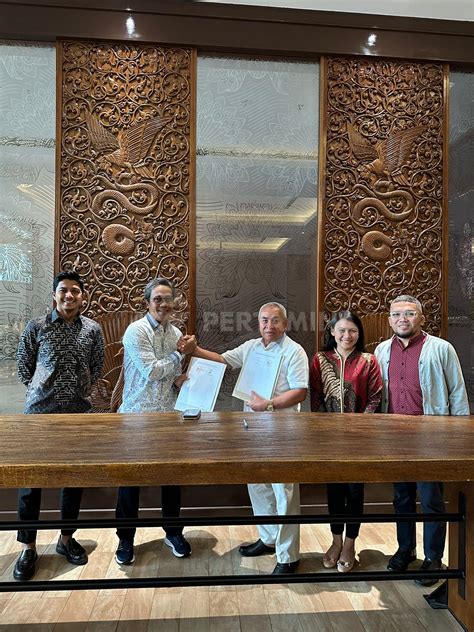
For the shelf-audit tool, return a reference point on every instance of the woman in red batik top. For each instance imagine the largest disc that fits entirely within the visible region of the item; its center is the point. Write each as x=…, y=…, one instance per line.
x=343, y=378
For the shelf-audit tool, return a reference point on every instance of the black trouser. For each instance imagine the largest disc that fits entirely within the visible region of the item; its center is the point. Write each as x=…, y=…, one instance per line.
x=432, y=501
x=29, y=504
x=128, y=500
x=346, y=499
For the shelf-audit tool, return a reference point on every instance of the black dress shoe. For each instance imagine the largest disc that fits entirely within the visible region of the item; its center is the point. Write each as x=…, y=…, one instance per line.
x=257, y=548
x=74, y=552
x=429, y=565
x=25, y=565
x=283, y=569
x=399, y=562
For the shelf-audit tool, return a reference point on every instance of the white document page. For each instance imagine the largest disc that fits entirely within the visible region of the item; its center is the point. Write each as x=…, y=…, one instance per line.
x=201, y=388
x=259, y=374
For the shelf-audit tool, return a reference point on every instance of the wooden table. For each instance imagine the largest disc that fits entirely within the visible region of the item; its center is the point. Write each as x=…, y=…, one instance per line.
x=99, y=450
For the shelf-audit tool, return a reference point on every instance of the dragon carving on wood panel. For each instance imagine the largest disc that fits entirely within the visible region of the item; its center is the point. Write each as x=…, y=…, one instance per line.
x=125, y=166
x=129, y=152
x=383, y=188
x=388, y=158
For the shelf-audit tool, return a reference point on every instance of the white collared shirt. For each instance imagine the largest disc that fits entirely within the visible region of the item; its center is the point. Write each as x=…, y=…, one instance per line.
x=294, y=369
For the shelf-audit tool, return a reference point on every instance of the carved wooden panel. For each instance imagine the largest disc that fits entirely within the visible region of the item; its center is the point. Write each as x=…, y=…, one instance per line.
x=125, y=161
x=383, y=189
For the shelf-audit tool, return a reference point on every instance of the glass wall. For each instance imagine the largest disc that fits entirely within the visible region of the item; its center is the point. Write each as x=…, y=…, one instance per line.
x=461, y=222
x=257, y=140
x=27, y=132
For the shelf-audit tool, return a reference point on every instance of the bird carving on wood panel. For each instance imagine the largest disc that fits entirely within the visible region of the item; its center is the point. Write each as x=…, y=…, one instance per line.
x=387, y=156
x=131, y=146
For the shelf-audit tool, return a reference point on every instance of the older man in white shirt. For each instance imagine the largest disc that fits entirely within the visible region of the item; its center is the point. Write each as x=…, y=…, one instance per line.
x=276, y=499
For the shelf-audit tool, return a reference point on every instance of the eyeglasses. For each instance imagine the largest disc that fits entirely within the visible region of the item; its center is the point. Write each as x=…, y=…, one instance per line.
x=163, y=299
x=407, y=314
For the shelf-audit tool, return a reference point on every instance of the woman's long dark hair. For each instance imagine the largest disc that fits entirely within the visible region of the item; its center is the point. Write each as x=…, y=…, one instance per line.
x=330, y=341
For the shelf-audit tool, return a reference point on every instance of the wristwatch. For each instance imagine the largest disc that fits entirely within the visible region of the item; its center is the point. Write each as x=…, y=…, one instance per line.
x=270, y=407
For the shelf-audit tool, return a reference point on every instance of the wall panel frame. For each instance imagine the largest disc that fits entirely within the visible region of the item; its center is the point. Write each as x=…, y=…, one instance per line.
x=384, y=189
x=224, y=27
x=125, y=171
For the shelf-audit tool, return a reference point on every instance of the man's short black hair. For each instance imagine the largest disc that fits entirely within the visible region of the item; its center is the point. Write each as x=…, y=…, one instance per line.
x=154, y=283
x=67, y=275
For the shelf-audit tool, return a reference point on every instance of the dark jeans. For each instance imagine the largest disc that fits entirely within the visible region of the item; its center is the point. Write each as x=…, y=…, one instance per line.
x=346, y=499
x=432, y=501
x=29, y=503
x=128, y=500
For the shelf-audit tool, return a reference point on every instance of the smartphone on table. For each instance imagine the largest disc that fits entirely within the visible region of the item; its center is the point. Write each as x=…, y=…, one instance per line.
x=191, y=413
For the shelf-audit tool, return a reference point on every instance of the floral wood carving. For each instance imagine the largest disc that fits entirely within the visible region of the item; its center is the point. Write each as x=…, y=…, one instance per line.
x=125, y=170
x=383, y=189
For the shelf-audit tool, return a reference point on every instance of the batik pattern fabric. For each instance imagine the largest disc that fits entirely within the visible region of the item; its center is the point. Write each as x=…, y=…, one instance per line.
x=350, y=385
x=151, y=365
x=58, y=362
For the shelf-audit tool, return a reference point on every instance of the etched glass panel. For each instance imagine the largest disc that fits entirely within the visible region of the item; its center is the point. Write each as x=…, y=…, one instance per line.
x=257, y=139
x=27, y=131
x=461, y=222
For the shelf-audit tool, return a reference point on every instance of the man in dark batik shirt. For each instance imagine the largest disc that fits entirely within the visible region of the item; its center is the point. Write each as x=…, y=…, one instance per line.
x=59, y=357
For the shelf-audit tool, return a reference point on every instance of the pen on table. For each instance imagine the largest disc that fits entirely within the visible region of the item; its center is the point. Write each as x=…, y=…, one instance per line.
x=244, y=421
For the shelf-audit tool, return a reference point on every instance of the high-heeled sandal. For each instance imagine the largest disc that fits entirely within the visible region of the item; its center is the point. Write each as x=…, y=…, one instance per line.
x=345, y=567
x=328, y=561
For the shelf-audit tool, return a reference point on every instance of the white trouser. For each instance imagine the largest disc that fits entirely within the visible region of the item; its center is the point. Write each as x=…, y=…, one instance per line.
x=278, y=499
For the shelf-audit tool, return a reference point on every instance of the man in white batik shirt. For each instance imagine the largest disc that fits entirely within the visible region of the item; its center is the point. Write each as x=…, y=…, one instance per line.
x=152, y=364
